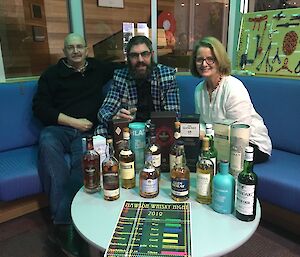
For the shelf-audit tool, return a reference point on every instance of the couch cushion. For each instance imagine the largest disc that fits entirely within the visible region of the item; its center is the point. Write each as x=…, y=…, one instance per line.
x=18, y=173
x=187, y=85
x=279, y=180
x=18, y=127
x=277, y=101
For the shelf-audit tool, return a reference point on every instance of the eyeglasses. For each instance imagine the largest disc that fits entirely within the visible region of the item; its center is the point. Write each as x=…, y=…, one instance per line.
x=209, y=60
x=145, y=54
x=73, y=47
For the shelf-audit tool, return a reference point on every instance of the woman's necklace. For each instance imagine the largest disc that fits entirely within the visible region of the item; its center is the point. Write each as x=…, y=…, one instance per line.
x=211, y=90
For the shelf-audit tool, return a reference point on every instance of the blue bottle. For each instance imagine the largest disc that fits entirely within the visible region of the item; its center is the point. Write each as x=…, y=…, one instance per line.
x=223, y=190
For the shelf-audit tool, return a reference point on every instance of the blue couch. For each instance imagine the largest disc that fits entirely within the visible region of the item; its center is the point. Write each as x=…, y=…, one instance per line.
x=275, y=99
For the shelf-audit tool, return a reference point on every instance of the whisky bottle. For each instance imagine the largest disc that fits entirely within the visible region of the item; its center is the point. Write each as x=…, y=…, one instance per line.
x=110, y=174
x=126, y=159
x=180, y=176
x=153, y=149
x=149, y=179
x=177, y=142
x=91, y=167
x=213, y=153
x=205, y=171
x=223, y=189
x=246, y=189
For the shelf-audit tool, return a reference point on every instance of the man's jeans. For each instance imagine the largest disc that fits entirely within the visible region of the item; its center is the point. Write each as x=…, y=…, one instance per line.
x=61, y=178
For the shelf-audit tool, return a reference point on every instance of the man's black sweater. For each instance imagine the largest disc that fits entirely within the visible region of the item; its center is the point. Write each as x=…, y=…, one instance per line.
x=64, y=90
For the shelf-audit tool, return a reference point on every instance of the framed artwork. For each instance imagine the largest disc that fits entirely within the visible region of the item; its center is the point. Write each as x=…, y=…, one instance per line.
x=36, y=11
x=111, y=3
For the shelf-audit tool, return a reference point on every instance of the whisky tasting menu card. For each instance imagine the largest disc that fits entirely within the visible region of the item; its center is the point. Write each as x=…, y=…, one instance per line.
x=152, y=229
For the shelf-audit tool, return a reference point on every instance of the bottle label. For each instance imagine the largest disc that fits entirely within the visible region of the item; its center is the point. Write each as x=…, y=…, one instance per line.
x=222, y=200
x=111, y=180
x=156, y=160
x=177, y=135
x=245, y=199
x=126, y=152
x=91, y=178
x=190, y=130
x=149, y=185
x=153, y=148
x=127, y=170
x=172, y=159
x=111, y=193
x=180, y=187
x=203, y=184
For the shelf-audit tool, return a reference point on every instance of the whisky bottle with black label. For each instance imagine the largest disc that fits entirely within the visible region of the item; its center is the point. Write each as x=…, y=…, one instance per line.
x=91, y=167
x=180, y=176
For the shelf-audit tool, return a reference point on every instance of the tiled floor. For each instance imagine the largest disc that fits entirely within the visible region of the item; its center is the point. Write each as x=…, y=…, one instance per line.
x=27, y=237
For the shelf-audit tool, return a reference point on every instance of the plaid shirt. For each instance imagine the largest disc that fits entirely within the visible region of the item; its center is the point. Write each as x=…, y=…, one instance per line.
x=164, y=91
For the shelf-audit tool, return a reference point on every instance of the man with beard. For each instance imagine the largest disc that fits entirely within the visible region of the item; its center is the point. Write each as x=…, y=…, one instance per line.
x=143, y=84
x=66, y=102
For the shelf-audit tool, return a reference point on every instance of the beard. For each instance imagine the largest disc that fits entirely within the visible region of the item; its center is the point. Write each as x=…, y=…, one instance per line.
x=138, y=74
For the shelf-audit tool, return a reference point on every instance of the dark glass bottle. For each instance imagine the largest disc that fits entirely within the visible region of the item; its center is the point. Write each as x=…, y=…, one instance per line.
x=246, y=189
x=180, y=177
x=153, y=149
x=91, y=167
x=126, y=160
x=177, y=141
x=213, y=153
x=205, y=170
x=110, y=173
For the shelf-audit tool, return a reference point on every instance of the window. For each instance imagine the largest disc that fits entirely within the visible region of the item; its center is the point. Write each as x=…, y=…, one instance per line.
x=32, y=34
x=32, y=31
x=180, y=23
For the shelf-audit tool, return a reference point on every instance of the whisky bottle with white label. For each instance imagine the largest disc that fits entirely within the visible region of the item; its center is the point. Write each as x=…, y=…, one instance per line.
x=149, y=179
x=246, y=189
x=205, y=173
x=126, y=160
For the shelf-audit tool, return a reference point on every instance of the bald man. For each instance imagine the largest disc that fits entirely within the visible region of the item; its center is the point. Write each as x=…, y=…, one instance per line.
x=67, y=100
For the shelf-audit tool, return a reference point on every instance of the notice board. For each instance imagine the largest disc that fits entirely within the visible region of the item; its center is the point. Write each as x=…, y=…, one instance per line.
x=269, y=43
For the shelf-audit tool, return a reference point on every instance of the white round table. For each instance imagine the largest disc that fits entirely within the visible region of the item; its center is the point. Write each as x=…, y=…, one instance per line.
x=213, y=234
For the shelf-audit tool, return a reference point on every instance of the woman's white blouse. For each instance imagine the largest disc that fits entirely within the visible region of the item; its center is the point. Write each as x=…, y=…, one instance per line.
x=231, y=100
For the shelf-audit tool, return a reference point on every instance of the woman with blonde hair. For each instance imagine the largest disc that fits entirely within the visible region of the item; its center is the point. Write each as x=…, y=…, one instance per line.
x=220, y=96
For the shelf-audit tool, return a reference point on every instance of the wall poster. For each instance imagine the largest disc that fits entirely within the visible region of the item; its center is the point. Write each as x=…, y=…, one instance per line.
x=269, y=43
